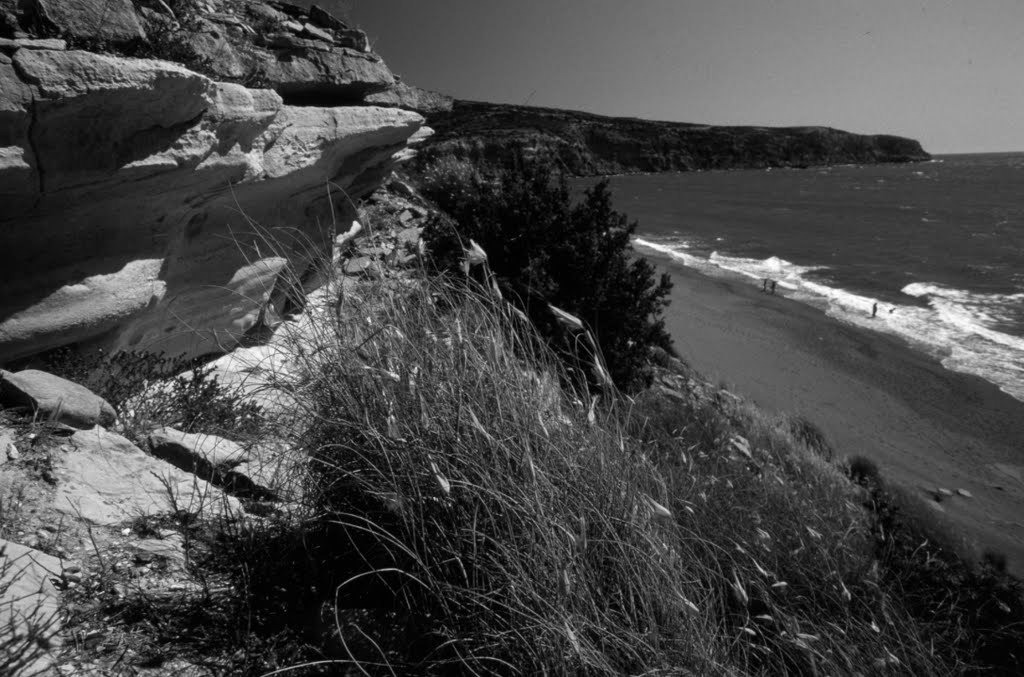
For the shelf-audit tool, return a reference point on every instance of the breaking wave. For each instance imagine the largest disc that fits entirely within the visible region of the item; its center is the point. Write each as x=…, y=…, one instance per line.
x=968, y=332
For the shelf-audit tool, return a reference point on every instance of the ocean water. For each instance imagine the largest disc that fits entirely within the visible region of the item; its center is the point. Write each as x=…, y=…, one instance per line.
x=939, y=246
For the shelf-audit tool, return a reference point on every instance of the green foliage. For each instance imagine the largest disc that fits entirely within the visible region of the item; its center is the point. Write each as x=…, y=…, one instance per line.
x=545, y=249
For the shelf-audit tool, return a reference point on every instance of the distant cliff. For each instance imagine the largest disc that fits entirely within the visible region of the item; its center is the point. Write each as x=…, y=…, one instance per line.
x=588, y=144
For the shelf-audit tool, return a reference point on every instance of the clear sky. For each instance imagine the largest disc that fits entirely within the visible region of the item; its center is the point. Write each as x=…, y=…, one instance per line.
x=949, y=73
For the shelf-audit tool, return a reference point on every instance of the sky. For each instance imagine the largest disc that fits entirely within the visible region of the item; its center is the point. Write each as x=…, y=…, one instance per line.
x=949, y=73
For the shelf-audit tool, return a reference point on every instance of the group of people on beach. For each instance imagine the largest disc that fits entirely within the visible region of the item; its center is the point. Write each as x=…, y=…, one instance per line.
x=768, y=287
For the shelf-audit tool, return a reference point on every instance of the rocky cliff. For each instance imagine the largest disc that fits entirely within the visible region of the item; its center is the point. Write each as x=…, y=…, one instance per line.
x=151, y=150
x=588, y=144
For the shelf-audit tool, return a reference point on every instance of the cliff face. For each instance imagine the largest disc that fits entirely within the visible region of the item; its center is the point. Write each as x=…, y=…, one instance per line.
x=590, y=144
x=132, y=188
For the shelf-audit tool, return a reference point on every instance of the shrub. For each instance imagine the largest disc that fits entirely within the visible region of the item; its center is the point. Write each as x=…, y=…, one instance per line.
x=149, y=390
x=544, y=249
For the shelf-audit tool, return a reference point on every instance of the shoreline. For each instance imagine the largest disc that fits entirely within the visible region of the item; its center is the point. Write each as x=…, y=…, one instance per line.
x=870, y=393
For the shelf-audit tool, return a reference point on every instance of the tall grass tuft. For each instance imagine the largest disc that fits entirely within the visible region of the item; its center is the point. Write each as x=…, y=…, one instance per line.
x=501, y=526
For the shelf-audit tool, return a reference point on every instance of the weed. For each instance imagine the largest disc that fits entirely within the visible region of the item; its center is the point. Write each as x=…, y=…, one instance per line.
x=148, y=390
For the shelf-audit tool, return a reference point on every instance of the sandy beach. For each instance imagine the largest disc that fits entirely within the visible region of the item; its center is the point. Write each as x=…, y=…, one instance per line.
x=872, y=395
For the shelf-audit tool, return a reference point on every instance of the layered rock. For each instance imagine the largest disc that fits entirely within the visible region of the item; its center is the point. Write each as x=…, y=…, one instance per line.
x=148, y=206
x=308, y=57
x=424, y=101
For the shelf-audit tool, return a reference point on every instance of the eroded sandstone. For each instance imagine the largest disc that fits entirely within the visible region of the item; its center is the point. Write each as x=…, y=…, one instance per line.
x=144, y=199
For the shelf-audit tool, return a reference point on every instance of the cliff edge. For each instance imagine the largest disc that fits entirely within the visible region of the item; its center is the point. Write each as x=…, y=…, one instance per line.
x=151, y=151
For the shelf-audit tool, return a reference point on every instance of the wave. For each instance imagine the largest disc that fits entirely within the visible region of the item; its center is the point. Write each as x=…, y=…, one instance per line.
x=973, y=311
x=958, y=327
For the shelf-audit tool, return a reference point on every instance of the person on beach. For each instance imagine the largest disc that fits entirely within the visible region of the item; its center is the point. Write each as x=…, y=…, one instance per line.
x=773, y=286
x=764, y=285
x=874, y=309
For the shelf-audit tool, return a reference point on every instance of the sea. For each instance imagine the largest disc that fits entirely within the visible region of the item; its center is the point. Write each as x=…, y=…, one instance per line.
x=938, y=246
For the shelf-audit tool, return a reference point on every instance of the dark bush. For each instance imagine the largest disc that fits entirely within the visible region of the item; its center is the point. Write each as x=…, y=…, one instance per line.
x=545, y=249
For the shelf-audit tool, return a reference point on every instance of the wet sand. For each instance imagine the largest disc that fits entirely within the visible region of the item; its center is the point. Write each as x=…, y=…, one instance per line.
x=872, y=395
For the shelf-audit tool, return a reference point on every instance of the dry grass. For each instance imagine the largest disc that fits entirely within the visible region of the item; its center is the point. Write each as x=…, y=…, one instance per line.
x=465, y=494
x=458, y=512
x=471, y=517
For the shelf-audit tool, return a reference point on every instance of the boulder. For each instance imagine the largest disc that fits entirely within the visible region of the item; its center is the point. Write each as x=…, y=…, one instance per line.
x=106, y=480
x=109, y=20
x=201, y=454
x=54, y=398
x=211, y=47
x=29, y=610
x=209, y=457
x=317, y=33
x=341, y=76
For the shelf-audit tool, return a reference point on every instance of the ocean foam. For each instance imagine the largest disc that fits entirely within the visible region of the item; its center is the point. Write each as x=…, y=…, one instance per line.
x=956, y=327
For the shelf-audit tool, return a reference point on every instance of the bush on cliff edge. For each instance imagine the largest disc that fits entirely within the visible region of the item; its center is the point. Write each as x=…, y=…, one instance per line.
x=544, y=248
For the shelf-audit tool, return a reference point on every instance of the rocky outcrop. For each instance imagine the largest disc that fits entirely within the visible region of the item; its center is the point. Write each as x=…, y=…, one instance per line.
x=109, y=20
x=103, y=479
x=209, y=457
x=148, y=205
x=590, y=144
x=306, y=56
x=53, y=398
x=424, y=101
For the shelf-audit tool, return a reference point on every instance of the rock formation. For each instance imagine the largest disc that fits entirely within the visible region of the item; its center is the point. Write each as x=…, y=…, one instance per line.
x=590, y=144
x=401, y=95
x=157, y=203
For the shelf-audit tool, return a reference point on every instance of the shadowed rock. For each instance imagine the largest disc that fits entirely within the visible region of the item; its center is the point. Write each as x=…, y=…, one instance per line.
x=210, y=458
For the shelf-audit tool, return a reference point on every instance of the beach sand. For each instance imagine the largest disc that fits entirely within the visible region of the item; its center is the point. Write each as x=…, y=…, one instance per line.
x=872, y=395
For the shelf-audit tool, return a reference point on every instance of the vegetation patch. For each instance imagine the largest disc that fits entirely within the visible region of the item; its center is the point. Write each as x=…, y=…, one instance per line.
x=544, y=249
